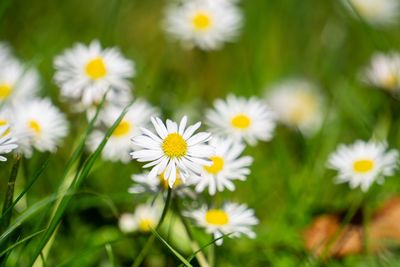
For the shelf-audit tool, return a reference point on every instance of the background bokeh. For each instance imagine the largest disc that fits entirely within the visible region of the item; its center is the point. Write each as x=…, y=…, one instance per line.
x=289, y=183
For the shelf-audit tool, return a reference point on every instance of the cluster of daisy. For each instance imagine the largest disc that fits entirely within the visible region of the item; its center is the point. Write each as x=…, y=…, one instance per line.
x=194, y=164
x=27, y=121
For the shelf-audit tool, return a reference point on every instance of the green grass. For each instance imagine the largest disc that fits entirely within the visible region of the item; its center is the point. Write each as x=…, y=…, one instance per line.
x=289, y=182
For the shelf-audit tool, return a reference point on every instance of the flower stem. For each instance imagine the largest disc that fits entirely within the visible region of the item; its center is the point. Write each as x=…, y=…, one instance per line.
x=139, y=259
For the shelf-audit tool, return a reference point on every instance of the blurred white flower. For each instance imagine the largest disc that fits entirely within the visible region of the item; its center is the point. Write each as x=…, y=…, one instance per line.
x=207, y=24
x=233, y=219
x=376, y=12
x=243, y=119
x=383, y=72
x=297, y=103
x=86, y=73
x=145, y=184
x=363, y=163
x=173, y=148
x=7, y=141
x=227, y=166
x=119, y=144
x=17, y=83
x=5, y=54
x=38, y=124
x=144, y=218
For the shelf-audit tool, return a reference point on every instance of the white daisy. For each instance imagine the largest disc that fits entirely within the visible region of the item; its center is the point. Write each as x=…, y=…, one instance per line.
x=383, y=72
x=86, y=73
x=173, y=149
x=38, y=124
x=297, y=104
x=376, y=12
x=227, y=166
x=5, y=54
x=17, y=83
x=207, y=24
x=233, y=219
x=7, y=142
x=145, y=184
x=119, y=144
x=144, y=218
x=249, y=120
x=363, y=163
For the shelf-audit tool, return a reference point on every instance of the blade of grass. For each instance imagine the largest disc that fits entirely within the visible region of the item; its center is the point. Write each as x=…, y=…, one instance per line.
x=110, y=254
x=87, y=166
x=176, y=253
x=10, y=248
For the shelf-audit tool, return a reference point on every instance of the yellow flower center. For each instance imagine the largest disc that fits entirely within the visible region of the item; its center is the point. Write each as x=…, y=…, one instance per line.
x=164, y=183
x=217, y=217
x=3, y=122
x=122, y=129
x=35, y=126
x=390, y=82
x=145, y=225
x=241, y=121
x=201, y=21
x=174, y=146
x=217, y=165
x=304, y=108
x=96, y=68
x=5, y=90
x=363, y=165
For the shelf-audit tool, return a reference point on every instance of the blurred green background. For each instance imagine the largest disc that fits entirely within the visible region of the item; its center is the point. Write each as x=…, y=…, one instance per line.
x=289, y=183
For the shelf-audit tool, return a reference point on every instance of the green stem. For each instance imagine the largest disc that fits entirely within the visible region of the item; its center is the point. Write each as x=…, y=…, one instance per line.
x=142, y=254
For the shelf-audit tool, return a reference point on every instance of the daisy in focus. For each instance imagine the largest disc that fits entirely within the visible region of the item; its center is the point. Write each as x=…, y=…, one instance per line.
x=227, y=165
x=232, y=219
x=376, y=12
x=119, y=144
x=363, y=163
x=7, y=142
x=207, y=24
x=38, y=124
x=144, y=218
x=16, y=82
x=243, y=119
x=86, y=73
x=297, y=104
x=173, y=149
x=383, y=72
x=145, y=184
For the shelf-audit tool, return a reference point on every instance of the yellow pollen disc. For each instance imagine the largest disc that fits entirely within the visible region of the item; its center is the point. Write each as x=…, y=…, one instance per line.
x=363, y=165
x=122, y=129
x=96, y=68
x=145, y=225
x=5, y=90
x=201, y=21
x=174, y=146
x=35, y=126
x=3, y=122
x=164, y=183
x=390, y=82
x=241, y=121
x=217, y=217
x=303, y=109
x=217, y=165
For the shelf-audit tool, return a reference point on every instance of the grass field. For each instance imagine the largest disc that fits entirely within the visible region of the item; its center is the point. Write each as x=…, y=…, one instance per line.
x=289, y=182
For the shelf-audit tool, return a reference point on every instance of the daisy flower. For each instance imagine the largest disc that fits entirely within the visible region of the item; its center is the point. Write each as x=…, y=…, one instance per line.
x=7, y=142
x=227, y=166
x=363, y=163
x=207, y=24
x=383, y=72
x=86, y=73
x=297, y=104
x=119, y=144
x=173, y=148
x=145, y=184
x=17, y=83
x=5, y=54
x=233, y=219
x=376, y=12
x=249, y=120
x=38, y=124
x=144, y=218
